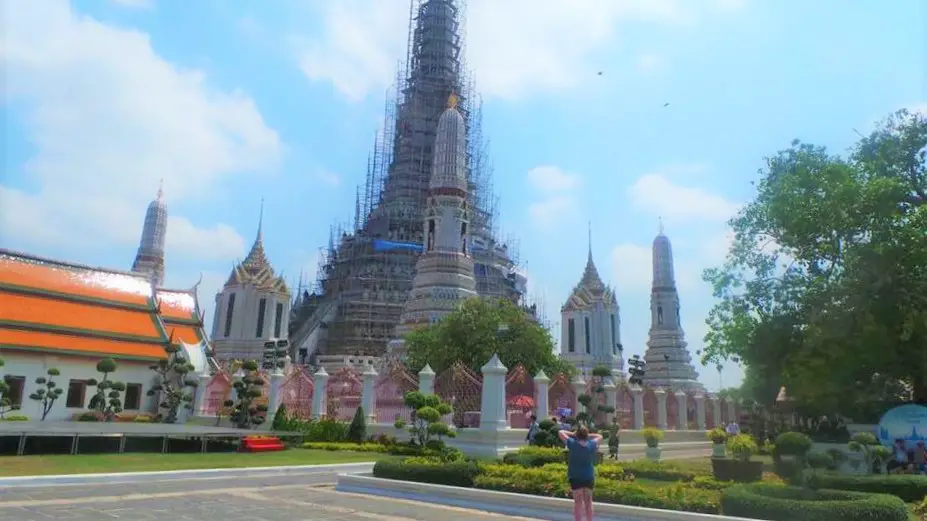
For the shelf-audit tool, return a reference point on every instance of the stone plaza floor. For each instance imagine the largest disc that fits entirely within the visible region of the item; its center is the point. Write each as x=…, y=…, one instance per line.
x=266, y=498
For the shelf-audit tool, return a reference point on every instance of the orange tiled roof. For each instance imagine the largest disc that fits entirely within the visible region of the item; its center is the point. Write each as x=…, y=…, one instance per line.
x=176, y=305
x=188, y=334
x=54, y=306
x=33, y=273
x=41, y=312
x=68, y=344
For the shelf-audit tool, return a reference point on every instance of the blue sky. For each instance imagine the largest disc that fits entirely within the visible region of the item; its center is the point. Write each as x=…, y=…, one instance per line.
x=230, y=103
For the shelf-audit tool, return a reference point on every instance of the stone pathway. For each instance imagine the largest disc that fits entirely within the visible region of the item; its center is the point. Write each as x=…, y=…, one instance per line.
x=268, y=498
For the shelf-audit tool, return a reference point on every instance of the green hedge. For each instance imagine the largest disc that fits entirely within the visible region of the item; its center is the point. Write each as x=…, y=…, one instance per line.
x=910, y=488
x=778, y=503
x=457, y=474
x=659, y=471
x=735, y=470
x=533, y=456
x=344, y=446
x=15, y=418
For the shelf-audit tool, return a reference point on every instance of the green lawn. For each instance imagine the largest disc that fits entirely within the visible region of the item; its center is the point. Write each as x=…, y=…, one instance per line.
x=140, y=462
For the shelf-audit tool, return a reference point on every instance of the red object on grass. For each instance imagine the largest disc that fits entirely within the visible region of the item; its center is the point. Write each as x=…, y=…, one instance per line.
x=261, y=444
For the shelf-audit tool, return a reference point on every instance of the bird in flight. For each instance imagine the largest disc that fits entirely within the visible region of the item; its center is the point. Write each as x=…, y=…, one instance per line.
x=666, y=104
x=600, y=73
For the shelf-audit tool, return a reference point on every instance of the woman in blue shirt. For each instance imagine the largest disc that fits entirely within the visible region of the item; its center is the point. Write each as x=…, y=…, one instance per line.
x=582, y=448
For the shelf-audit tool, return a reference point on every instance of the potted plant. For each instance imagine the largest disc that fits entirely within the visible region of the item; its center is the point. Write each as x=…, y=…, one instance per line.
x=740, y=468
x=718, y=438
x=653, y=437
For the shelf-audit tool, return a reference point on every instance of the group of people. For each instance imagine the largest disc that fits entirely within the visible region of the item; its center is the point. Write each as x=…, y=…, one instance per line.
x=910, y=461
x=582, y=447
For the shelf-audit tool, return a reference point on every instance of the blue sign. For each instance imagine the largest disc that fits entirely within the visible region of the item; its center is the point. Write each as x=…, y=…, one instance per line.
x=905, y=422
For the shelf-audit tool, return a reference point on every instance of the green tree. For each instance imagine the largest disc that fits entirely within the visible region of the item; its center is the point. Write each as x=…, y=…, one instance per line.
x=49, y=393
x=6, y=405
x=357, y=431
x=427, y=410
x=173, y=385
x=106, y=400
x=478, y=329
x=594, y=409
x=825, y=284
x=245, y=412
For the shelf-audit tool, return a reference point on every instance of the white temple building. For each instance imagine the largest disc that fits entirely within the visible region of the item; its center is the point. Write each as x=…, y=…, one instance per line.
x=444, y=272
x=252, y=308
x=590, y=324
x=669, y=364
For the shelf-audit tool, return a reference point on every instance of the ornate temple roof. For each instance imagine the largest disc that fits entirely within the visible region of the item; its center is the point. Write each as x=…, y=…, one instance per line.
x=56, y=307
x=449, y=168
x=180, y=312
x=256, y=270
x=590, y=288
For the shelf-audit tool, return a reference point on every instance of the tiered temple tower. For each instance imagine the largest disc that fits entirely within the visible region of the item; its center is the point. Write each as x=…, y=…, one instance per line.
x=444, y=272
x=669, y=363
x=252, y=307
x=366, y=273
x=150, y=256
x=590, y=325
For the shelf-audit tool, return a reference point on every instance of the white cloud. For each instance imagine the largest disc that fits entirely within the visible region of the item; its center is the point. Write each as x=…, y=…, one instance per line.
x=656, y=195
x=546, y=212
x=650, y=63
x=218, y=242
x=555, y=187
x=137, y=4
x=329, y=178
x=631, y=268
x=509, y=48
x=551, y=179
x=108, y=117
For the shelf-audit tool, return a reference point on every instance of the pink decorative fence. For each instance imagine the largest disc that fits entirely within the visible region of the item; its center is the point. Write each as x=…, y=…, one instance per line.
x=462, y=388
x=519, y=397
x=344, y=391
x=297, y=391
x=560, y=396
x=218, y=390
x=390, y=388
x=625, y=408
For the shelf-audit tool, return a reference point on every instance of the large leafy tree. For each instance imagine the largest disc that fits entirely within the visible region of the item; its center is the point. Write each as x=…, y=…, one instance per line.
x=825, y=284
x=478, y=329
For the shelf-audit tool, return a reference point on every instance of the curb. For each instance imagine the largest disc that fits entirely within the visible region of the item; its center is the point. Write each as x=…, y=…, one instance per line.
x=165, y=475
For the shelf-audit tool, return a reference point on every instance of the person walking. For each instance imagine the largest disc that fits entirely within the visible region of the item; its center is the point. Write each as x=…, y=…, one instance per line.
x=582, y=447
x=614, y=440
x=533, y=429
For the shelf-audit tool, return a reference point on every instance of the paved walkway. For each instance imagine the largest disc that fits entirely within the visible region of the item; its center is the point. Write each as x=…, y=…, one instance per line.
x=268, y=498
x=291, y=497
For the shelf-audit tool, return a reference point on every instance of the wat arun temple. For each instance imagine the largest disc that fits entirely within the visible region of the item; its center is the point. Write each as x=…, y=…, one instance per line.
x=366, y=273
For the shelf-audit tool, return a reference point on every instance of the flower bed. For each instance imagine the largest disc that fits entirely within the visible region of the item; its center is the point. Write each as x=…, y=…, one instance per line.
x=779, y=503
x=613, y=485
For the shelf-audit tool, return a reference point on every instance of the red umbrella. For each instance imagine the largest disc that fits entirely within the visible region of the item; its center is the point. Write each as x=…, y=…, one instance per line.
x=521, y=401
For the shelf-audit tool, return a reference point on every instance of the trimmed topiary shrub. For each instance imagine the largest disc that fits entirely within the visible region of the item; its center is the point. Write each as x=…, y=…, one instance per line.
x=776, y=503
x=736, y=470
x=15, y=418
x=457, y=474
x=357, y=431
x=790, y=454
x=908, y=487
x=652, y=436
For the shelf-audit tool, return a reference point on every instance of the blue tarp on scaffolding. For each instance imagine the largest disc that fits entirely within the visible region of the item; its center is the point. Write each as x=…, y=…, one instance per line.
x=381, y=245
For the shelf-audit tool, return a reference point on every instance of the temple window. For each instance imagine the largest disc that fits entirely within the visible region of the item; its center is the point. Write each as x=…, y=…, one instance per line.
x=77, y=394
x=278, y=320
x=262, y=310
x=463, y=237
x=431, y=235
x=228, y=315
x=17, y=385
x=660, y=315
x=614, y=342
x=133, y=397
x=588, y=335
x=571, y=335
